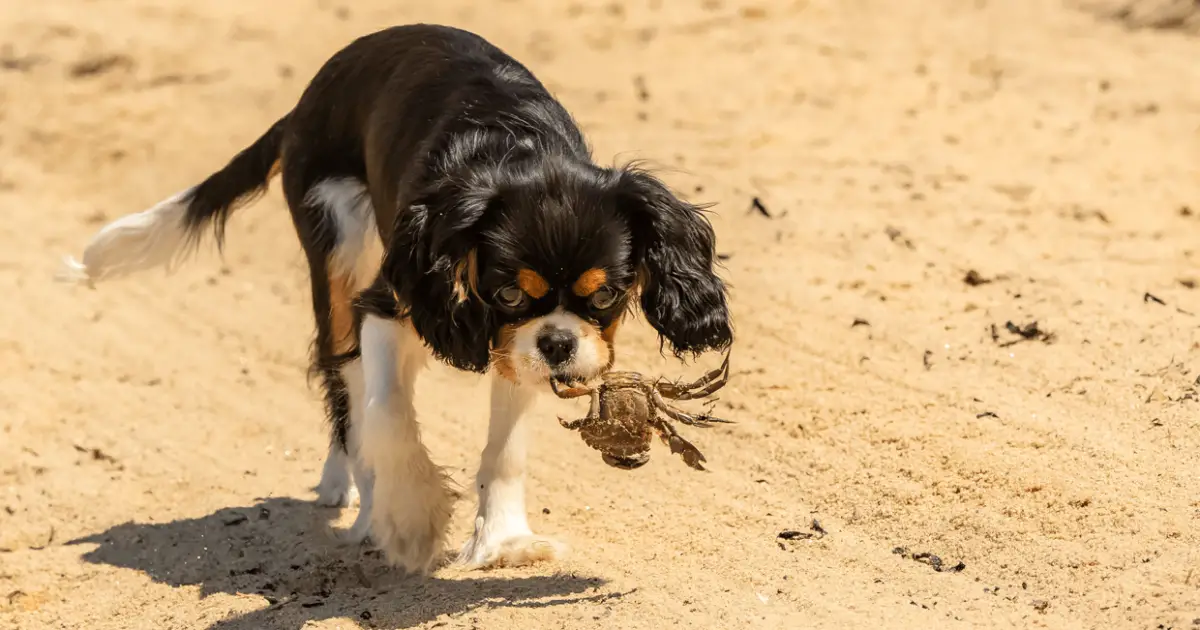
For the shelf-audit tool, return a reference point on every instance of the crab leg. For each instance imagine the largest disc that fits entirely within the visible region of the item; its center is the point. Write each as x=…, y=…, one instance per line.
x=699, y=388
x=593, y=409
x=679, y=446
x=702, y=420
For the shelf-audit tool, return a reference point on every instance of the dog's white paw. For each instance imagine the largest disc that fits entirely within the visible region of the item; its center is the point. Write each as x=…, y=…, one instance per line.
x=360, y=531
x=333, y=496
x=357, y=534
x=334, y=488
x=507, y=546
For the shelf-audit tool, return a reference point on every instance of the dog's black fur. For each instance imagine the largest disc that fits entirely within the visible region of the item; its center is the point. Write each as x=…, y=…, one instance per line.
x=467, y=157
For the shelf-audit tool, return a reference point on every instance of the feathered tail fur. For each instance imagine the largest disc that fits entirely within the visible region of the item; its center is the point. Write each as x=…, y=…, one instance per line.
x=167, y=233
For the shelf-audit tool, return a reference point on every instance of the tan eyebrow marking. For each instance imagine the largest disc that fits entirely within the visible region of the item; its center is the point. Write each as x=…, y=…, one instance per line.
x=532, y=284
x=589, y=282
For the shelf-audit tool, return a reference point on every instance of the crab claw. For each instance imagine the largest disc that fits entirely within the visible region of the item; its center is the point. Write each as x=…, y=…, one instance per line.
x=691, y=455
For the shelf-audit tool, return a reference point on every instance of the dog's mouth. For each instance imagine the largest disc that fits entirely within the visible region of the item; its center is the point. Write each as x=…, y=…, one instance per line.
x=568, y=379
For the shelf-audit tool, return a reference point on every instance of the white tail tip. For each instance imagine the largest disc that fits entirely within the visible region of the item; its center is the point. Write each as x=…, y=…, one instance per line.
x=74, y=272
x=152, y=238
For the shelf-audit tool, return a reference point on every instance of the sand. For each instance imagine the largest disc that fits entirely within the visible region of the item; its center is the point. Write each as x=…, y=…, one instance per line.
x=158, y=441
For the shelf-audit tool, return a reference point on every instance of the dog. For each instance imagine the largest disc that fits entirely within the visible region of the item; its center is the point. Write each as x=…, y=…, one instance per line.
x=448, y=206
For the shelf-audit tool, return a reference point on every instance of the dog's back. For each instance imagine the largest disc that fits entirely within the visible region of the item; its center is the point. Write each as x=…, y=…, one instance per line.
x=375, y=109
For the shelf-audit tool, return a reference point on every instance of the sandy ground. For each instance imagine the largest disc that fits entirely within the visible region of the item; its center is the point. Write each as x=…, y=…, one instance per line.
x=158, y=440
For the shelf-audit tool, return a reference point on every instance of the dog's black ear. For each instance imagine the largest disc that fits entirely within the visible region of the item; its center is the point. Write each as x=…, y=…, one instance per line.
x=431, y=265
x=682, y=296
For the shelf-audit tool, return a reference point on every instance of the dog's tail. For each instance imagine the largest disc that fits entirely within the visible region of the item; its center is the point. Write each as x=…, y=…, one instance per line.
x=166, y=234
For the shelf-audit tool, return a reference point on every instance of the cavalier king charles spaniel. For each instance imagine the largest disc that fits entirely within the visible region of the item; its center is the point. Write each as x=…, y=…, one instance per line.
x=447, y=205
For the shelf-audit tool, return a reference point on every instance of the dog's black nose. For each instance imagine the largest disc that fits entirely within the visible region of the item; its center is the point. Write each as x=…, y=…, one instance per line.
x=556, y=346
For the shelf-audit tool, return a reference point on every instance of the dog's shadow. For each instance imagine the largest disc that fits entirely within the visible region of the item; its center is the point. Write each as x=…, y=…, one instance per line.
x=284, y=550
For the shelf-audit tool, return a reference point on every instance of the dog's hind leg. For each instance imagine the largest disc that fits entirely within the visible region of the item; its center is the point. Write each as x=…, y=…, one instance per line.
x=335, y=335
x=336, y=226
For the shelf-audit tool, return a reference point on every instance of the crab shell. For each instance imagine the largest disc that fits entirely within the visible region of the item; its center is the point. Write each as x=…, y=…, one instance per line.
x=623, y=440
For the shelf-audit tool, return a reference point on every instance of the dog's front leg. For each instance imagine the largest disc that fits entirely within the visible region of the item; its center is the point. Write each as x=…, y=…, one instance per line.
x=502, y=536
x=412, y=498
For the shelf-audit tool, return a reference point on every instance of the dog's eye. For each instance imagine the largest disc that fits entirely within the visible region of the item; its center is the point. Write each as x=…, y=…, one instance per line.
x=511, y=296
x=604, y=298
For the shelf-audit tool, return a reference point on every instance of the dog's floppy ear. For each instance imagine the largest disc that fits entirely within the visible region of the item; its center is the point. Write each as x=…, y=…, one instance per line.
x=682, y=297
x=431, y=265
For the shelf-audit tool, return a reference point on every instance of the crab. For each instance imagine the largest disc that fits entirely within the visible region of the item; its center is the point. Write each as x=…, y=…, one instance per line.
x=627, y=410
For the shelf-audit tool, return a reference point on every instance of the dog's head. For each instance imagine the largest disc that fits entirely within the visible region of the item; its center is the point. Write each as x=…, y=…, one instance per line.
x=530, y=268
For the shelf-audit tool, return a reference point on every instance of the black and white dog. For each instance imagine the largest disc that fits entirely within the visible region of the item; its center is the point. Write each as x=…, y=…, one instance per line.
x=447, y=205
